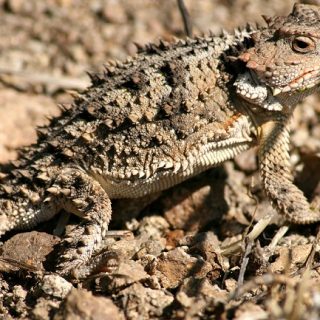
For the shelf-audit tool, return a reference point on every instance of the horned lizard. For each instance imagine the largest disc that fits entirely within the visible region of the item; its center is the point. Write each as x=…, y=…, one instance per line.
x=163, y=116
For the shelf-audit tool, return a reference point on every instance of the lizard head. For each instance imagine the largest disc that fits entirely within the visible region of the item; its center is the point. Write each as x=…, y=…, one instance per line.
x=286, y=54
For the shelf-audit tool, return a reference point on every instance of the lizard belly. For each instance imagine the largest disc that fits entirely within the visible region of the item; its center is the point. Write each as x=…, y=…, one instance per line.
x=166, y=179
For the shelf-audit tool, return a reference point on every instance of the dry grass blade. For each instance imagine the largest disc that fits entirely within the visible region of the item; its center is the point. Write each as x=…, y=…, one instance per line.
x=186, y=18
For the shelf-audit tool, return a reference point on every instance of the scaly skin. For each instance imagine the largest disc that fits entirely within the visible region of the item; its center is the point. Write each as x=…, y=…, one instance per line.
x=163, y=116
x=284, y=71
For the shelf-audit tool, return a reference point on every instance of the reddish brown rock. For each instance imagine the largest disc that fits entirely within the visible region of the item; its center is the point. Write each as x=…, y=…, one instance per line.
x=82, y=305
x=29, y=249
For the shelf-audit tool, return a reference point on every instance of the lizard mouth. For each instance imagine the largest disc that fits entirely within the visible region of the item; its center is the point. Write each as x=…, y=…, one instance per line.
x=307, y=80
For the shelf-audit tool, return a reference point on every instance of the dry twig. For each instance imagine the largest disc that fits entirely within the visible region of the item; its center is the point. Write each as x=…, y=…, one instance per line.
x=186, y=18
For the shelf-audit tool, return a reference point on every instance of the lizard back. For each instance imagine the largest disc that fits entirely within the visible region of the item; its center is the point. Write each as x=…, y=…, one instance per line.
x=165, y=110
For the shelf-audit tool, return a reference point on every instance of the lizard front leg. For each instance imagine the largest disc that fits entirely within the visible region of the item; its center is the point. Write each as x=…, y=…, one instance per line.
x=80, y=194
x=276, y=177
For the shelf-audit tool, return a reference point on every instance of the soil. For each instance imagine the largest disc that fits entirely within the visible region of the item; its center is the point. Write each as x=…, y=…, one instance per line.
x=175, y=266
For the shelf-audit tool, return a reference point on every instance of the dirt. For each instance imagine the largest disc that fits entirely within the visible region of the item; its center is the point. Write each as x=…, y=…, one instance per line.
x=175, y=266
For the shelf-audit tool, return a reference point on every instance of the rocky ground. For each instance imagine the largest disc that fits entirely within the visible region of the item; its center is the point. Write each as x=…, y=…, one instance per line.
x=179, y=263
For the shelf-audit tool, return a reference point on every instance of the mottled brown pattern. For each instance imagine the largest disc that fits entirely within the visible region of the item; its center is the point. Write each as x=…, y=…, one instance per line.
x=164, y=115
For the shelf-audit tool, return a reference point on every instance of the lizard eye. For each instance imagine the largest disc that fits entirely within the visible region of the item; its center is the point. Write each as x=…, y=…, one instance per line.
x=303, y=44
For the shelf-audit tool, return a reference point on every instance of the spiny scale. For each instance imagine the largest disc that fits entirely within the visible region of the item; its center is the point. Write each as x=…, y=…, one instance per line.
x=160, y=117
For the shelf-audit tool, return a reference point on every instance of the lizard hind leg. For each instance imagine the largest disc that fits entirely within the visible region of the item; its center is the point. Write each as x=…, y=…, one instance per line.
x=80, y=194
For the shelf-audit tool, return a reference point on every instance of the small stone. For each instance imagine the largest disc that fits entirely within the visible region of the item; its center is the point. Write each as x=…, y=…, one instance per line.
x=173, y=266
x=56, y=286
x=153, y=226
x=247, y=160
x=173, y=238
x=197, y=202
x=29, y=248
x=128, y=273
x=150, y=247
x=81, y=304
x=144, y=303
x=19, y=292
x=195, y=287
x=249, y=310
x=44, y=308
x=300, y=254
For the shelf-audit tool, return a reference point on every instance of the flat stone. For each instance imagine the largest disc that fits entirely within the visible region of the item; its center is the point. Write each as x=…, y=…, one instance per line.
x=81, y=304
